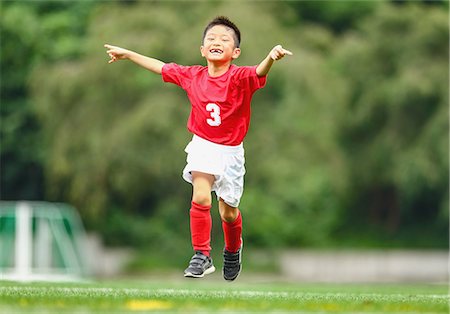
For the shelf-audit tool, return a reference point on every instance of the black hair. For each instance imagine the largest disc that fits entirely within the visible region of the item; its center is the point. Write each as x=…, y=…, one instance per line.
x=223, y=20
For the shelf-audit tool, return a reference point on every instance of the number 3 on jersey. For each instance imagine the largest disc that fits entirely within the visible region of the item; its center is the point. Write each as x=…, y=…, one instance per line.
x=214, y=110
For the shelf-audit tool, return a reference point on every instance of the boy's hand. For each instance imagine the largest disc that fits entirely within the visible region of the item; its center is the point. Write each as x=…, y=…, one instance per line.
x=116, y=53
x=279, y=52
x=276, y=53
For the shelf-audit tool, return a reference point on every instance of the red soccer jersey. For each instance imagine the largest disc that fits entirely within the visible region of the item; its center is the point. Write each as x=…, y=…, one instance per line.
x=220, y=106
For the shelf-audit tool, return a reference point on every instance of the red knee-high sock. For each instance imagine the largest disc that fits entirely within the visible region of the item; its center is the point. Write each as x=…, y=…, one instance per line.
x=201, y=224
x=233, y=233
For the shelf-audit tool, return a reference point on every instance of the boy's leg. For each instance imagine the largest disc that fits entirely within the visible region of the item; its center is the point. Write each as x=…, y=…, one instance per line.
x=200, y=224
x=200, y=213
x=232, y=226
x=232, y=229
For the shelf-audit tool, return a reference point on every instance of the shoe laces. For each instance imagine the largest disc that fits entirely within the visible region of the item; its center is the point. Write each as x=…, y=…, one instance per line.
x=199, y=259
x=231, y=259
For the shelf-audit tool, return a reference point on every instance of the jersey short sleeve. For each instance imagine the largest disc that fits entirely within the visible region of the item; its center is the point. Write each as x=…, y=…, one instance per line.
x=248, y=77
x=177, y=74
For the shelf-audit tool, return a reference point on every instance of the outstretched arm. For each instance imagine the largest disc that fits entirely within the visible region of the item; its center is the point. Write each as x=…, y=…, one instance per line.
x=117, y=53
x=276, y=53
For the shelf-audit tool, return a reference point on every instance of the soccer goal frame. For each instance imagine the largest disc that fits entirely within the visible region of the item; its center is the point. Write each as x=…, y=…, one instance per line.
x=41, y=241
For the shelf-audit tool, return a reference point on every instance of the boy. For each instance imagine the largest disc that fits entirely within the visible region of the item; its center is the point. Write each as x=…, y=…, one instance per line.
x=220, y=95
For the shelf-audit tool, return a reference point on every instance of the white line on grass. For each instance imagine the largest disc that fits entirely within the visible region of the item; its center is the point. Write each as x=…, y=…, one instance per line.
x=98, y=292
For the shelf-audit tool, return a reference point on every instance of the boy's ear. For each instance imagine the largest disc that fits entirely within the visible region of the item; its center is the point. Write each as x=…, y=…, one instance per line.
x=236, y=53
x=201, y=51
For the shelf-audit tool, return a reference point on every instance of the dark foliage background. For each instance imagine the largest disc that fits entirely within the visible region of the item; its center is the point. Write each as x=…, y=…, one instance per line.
x=348, y=144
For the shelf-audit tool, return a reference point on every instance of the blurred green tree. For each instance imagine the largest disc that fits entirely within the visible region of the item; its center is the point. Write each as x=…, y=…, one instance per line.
x=394, y=129
x=337, y=16
x=350, y=133
x=31, y=32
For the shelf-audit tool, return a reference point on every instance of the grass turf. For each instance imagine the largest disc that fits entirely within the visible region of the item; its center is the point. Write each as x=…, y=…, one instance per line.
x=211, y=296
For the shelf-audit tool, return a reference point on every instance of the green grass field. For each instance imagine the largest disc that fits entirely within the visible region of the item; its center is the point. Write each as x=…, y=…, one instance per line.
x=211, y=295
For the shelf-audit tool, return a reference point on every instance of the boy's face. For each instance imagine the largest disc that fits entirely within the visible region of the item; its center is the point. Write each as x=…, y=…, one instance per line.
x=219, y=45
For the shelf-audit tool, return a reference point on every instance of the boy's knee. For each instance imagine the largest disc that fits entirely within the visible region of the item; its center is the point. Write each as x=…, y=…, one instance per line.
x=229, y=215
x=202, y=198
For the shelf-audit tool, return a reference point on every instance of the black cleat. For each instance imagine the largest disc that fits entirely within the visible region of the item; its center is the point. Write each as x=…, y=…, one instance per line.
x=232, y=264
x=199, y=266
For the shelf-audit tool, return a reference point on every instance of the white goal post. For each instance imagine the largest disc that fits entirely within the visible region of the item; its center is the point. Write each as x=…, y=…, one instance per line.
x=41, y=241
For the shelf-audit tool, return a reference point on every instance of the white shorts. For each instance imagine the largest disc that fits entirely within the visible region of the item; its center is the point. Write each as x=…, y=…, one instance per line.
x=226, y=163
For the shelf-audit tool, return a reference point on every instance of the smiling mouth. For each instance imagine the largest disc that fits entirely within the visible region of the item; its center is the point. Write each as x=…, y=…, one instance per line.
x=216, y=51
